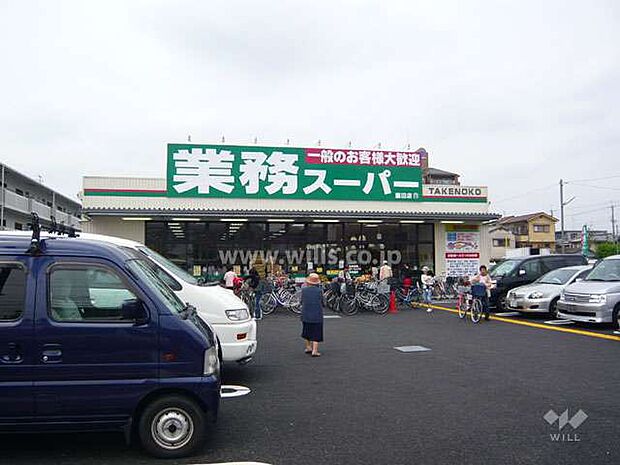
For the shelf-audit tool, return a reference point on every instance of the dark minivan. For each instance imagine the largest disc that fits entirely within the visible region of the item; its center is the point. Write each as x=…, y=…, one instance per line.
x=515, y=272
x=91, y=339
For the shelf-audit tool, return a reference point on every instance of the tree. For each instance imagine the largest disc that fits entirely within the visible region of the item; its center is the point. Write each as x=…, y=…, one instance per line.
x=605, y=249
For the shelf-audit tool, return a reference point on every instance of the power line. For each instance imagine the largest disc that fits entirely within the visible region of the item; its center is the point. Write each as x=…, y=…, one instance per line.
x=589, y=211
x=592, y=179
x=595, y=187
x=523, y=194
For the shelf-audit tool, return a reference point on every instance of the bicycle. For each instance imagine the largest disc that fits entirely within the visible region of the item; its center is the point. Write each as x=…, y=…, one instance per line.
x=478, y=292
x=285, y=295
x=408, y=295
x=363, y=296
x=248, y=296
x=331, y=296
x=463, y=301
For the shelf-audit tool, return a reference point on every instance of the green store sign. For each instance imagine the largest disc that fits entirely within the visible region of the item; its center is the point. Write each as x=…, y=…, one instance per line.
x=289, y=172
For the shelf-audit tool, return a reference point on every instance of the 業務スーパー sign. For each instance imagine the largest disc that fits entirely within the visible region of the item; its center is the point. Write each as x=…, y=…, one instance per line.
x=291, y=172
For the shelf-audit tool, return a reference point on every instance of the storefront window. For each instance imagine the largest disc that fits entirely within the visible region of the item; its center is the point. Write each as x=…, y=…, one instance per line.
x=211, y=246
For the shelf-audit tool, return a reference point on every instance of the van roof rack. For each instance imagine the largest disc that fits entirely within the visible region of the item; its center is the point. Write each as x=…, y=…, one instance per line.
x=55, y=228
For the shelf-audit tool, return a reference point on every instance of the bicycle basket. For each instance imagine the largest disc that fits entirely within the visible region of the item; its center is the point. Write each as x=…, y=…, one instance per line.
x=479, y=290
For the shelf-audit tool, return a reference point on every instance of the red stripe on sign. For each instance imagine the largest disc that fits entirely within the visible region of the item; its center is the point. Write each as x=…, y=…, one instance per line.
x=453, y=197
x=150, y=191
x=463, y=255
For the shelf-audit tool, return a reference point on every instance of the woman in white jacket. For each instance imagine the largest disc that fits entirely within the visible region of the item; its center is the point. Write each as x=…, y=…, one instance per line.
x=483, y=278
x=428, y=281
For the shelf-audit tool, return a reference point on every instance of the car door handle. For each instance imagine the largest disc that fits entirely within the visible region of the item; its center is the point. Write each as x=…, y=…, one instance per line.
x=52, y=353
x=13, y=355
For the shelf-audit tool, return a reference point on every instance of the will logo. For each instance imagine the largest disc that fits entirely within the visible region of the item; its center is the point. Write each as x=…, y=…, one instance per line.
x=562, y=420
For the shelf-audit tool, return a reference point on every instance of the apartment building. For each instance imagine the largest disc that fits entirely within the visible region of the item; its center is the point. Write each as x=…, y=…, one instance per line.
x=22, y=195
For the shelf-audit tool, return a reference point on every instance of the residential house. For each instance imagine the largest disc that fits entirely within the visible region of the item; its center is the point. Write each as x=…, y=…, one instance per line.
x=502, y=239
x=534, y=230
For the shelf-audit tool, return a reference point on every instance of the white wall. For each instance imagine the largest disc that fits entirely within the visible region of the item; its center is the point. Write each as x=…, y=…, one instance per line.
x=115, y=226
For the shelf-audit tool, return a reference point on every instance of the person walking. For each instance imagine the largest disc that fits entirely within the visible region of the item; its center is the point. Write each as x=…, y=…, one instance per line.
x=254, y=283
x=483, y=278
x=344, y=278
x=312, y=315
x=229, y=278
x=385, y=272
x=428, y=281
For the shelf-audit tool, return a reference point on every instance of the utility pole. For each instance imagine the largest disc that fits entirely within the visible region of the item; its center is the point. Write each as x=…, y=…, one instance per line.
x=562, y=214
x=562, y=205
x=613, y=227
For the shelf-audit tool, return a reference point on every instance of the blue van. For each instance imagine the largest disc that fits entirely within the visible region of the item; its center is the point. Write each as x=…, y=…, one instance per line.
x=91, y=339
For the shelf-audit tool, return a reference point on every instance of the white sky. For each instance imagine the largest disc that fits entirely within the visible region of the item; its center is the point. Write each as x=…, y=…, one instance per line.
x=513, y=95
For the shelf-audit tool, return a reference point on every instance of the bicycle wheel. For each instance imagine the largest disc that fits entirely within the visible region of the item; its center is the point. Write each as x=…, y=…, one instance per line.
x=461, y=306
x=330, y=298
x=348, y=305
x=379, y=303
x=476, y=311
x=250, y=301
x=294, y=303
x=268, y=304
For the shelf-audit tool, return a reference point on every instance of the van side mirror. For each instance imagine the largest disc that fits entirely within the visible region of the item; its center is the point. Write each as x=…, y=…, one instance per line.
x=134, y=310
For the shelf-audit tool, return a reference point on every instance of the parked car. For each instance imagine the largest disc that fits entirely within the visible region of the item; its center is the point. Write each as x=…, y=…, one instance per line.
x=92, y=339
x=515, y=272
x=543, y=294
x=221, y=308
x=596, y=299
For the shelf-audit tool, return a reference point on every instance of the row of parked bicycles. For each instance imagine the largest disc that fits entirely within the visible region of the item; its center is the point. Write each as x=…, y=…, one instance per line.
x=348, y=298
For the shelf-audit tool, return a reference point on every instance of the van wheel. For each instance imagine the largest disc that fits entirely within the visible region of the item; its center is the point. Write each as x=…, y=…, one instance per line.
x=172, y=427
x=553, y=309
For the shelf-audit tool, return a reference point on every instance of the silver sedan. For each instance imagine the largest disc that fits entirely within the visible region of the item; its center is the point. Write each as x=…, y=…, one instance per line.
x=542, y=295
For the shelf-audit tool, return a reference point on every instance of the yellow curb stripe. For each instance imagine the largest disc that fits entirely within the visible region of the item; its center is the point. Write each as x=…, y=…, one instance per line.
x=581, y=332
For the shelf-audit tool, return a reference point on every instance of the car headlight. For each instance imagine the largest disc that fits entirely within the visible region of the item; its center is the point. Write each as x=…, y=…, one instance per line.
x=238, y=314
x=211, y=362
x=598, y=298
x=536, y=295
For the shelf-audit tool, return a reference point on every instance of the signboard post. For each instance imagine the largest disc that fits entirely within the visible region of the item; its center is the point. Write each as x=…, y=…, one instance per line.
x=462, y=250
x=585, y=241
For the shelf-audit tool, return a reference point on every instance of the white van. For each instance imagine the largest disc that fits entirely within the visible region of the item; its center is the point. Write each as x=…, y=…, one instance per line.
x=221, y=308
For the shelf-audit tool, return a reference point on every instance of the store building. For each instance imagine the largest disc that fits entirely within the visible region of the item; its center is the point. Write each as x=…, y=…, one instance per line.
x=296, y=209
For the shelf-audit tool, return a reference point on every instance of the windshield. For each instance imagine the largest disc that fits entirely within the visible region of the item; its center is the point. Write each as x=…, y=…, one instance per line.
x=169, y=265
x=143, y=271
x=503, y=268
x=559, y=276
x=607, y=270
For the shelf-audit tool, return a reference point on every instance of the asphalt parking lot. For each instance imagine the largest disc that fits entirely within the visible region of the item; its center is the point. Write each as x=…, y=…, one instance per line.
x=479, y=395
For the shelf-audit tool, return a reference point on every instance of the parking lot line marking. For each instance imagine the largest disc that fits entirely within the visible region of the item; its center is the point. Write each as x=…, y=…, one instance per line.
x=408, y=349
x=559, y=322
x=508, y=314
x=233, y=463
x=228, y=390
x=332, y=316
x=581, y=332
